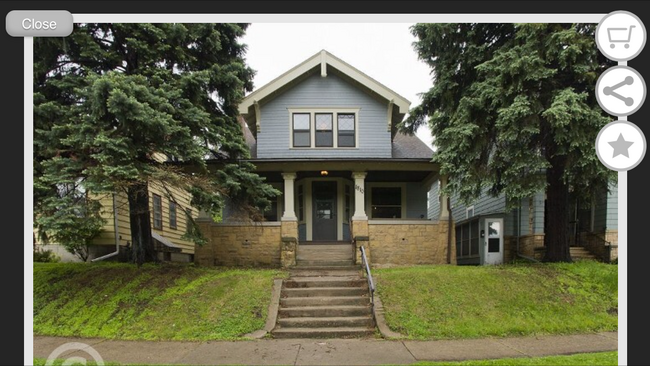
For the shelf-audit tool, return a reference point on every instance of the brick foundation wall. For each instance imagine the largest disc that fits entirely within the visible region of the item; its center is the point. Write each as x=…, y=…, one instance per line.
x=240, y=245
x=409, y=243
x=596, y=244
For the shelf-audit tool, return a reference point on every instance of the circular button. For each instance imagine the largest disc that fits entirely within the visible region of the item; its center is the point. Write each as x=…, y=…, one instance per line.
x=620, y=145
x=620, y=90
x=620, y=35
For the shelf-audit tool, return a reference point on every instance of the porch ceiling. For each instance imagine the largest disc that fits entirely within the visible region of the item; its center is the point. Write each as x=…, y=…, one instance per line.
x=373, y=176
x=313, y=165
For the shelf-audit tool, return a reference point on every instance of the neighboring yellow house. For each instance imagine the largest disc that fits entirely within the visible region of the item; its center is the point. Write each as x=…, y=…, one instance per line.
x=169, y=207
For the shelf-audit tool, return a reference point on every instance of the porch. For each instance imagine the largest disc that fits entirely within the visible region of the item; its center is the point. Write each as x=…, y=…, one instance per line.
x=382, y=205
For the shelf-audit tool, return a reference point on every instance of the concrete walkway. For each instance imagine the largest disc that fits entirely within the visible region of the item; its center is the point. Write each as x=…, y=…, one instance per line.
x=327, y=352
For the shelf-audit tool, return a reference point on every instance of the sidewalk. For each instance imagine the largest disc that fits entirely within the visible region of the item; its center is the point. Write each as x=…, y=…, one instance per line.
x=327, y=351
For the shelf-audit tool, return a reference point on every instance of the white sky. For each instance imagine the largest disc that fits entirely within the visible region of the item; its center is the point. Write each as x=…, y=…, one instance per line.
x=383, y=51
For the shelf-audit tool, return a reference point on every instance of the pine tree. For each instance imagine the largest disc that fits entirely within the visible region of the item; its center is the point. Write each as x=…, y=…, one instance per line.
x=513, y=111
x=117, y=106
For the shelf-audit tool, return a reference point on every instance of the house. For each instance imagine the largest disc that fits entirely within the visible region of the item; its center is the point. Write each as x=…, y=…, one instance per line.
x=486, y=232
x=324, y=134
x=170, y=211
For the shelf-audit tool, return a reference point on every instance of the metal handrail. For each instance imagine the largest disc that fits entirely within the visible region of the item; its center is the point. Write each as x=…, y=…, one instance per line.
x=371, y=284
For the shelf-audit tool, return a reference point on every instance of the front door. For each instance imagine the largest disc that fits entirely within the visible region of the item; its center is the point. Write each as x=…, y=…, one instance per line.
x=493, y=241
x=324, y=225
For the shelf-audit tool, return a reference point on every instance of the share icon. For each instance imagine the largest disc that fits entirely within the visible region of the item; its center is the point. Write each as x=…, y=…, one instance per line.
x=609, y=90
x=620, y=90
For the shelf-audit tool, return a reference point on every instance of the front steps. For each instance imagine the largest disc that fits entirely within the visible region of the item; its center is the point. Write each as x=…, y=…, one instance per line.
x=325, y=296
x=581, y=253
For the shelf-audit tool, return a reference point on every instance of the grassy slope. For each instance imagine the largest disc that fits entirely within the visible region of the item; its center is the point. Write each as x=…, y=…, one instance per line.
x=155, y=302
x=435, y=302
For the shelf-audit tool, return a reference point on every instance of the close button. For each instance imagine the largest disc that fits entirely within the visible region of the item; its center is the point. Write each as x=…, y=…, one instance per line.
x=39, y=23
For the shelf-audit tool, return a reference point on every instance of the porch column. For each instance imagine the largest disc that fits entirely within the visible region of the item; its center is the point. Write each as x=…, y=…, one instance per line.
x=359, y=201
x=289, y=211
x=360, y=228
x=444, y=208
x=288, y=224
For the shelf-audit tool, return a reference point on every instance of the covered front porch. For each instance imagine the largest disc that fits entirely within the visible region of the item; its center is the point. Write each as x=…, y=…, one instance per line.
x=381, y=205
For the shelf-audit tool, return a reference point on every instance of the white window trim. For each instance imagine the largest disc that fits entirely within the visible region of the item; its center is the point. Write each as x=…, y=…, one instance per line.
x=370, y=186
x=467, y=216
x=312, y=128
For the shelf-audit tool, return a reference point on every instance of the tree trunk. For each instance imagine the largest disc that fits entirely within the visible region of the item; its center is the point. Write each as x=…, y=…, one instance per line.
x=556, y=238
x=143, y=249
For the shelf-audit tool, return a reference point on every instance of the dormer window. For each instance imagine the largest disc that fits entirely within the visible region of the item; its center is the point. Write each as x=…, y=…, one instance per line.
x=301, y=130
x=346, y=127
x=324, y=128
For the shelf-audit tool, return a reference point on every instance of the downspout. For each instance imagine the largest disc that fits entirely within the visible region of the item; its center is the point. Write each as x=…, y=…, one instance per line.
x=449, y=231
x=117, y=237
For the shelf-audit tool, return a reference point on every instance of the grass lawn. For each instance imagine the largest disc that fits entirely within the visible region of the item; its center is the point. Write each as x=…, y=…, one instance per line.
x=446, y=302
x=587, y=359
x=154, y=302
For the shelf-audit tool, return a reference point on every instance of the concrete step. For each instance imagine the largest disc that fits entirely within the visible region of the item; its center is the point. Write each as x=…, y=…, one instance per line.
x=297, y=273
x=329, y=268
x=337, y=332
x=324, y=301
x=326, y=322
x=324, y=263
x=581, y=253
x=324, y=291
x=578, y=250
x=324, y=311
x=311, y=282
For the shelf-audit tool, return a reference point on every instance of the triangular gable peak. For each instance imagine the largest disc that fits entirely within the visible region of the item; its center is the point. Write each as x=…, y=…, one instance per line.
x=398, y=106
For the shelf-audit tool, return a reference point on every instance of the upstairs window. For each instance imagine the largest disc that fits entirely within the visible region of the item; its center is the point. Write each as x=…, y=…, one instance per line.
x=346, y=127
x=172, y=215
x=324, y=127
x=301, y=130
x=157, y=212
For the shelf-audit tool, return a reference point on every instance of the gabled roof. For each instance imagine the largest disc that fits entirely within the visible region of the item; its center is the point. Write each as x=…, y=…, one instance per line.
x=410, y=147
x=250, y=104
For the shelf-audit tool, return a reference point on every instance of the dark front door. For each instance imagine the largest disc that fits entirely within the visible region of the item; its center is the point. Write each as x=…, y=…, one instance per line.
x=324, y=203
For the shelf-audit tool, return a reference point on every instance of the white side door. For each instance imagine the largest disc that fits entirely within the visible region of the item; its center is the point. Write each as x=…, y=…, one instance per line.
x=493, y=241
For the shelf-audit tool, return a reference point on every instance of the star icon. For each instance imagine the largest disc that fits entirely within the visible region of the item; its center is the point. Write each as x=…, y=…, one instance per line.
x=621, y=146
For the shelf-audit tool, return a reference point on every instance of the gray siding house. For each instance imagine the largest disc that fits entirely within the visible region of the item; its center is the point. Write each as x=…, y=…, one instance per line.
x=593, y=227
x=324, y=134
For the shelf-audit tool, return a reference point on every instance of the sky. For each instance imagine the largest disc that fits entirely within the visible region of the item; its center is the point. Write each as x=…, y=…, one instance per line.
x=382, y=51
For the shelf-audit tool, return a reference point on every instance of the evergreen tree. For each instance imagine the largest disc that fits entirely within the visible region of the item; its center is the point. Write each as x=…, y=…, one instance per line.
x=115, y=103
x=513, y=111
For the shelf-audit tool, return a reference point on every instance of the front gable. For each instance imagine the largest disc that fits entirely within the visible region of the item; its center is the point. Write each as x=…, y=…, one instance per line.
x=323, y=108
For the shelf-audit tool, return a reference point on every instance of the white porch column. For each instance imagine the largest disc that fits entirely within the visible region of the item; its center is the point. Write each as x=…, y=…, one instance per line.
x=359, y=201
x=289, y=211
x=444, y=208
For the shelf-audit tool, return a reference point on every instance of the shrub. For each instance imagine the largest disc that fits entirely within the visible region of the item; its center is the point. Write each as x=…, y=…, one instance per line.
x=45, y=256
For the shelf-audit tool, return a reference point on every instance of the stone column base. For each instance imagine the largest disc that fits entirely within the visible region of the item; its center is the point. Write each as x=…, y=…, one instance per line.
x=288, y=252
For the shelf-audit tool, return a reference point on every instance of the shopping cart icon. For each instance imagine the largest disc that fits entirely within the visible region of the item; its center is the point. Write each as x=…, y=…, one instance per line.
x=620, y=35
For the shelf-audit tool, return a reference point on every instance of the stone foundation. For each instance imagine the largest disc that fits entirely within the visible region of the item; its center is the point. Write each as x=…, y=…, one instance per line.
x=246, y=244
x=408, y=243
x=602, y=245
x=359, y=230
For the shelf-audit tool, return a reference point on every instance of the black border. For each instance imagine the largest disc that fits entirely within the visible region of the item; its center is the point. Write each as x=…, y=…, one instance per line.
x=12, y=150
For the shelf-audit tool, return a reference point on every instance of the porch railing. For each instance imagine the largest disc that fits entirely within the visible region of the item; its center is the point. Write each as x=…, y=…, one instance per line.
x=366, y=267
